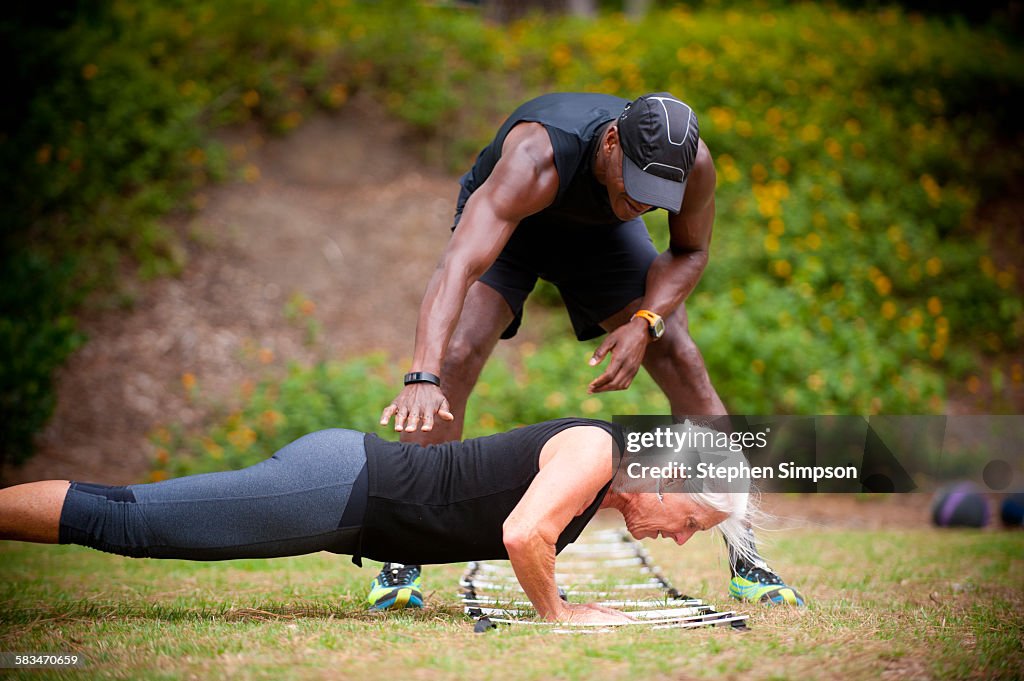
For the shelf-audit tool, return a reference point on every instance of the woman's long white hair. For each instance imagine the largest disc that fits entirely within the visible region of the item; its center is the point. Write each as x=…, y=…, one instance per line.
x=736, y=498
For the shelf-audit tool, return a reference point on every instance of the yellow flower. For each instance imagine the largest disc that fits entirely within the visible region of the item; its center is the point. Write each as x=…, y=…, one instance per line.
x=89, y=71
x=591, y=405
x=781, y=166
x=757, y=366
x=270, y=419
x=782, y=268
x=834, y=149
x=883, y=285
x=771, y=243
x=931, y=188
x=196, y=156
x=291, y=120
x=212, y=448
x=337, y=95
x=722, y=118
x=933, y=266
x=813, y=241
x=251, y=98
x=188, y=381
x=776, y=226
x=810, y=133
x=888, y=309
x=554, y=400
x=561, y=56
x=242, y=437
x=934, y=306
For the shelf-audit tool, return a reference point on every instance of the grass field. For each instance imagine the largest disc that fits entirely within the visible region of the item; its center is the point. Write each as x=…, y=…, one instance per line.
x=891, y=603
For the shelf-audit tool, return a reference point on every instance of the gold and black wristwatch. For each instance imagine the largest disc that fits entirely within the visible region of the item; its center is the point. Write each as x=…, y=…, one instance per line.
x=655, y=324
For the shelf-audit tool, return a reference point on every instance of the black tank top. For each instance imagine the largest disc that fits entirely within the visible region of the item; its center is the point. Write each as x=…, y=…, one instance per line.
x=573, y=121
x=446, y=503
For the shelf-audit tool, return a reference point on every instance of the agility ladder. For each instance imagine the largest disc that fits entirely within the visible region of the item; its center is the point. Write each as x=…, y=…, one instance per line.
x=604, y=565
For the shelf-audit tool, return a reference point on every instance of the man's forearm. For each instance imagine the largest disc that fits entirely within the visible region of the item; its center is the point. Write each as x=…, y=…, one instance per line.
x=671, y=279
x=439, y=313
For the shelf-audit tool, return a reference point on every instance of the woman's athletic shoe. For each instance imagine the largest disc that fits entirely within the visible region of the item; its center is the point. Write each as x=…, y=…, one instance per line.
x=758, y=585
x=397, y=586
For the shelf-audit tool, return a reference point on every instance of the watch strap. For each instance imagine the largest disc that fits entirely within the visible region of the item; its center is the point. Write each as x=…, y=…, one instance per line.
x=422, y=377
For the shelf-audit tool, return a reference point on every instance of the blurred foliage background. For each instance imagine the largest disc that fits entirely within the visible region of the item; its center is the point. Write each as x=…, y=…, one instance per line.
x=864, y=154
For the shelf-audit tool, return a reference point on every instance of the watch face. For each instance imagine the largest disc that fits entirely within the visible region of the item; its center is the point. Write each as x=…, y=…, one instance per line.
x=658, y=328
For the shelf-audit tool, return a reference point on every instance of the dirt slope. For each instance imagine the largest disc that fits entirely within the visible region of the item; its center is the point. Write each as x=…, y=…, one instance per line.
x=339, y=212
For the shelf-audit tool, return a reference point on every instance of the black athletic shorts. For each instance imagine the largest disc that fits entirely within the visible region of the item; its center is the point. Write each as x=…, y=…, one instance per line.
x=598, y=270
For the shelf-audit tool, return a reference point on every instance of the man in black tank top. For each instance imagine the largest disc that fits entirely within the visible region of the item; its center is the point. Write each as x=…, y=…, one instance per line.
x=558, y=194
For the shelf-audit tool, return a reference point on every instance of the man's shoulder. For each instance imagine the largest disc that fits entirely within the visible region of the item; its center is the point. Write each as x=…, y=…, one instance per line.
x=575, y=111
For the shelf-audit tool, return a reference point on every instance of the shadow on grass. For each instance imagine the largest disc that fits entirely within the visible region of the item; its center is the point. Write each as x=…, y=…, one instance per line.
x=85, y=610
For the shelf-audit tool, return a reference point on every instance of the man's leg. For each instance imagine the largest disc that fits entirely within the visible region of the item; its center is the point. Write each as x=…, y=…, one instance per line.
x=676, y=365
x=485, y=315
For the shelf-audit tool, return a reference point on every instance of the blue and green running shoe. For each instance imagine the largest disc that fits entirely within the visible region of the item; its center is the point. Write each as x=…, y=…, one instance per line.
x=397, y=586
x=760, y=585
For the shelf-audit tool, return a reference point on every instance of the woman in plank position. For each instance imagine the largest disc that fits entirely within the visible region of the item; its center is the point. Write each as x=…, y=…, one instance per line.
x=522, y=495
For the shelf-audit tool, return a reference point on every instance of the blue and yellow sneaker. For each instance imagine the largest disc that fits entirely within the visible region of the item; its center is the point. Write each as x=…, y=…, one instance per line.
x=397, y=586
x=760, y=585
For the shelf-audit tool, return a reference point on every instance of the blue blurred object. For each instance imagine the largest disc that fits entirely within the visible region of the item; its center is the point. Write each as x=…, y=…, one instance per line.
x=1012, y=511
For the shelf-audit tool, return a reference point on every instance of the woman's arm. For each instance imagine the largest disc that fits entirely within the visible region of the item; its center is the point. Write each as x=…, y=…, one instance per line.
x=575, y=465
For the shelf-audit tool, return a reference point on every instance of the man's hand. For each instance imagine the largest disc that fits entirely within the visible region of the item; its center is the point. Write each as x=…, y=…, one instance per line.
x=592, y=613
x=416, y=406
x=627, y=345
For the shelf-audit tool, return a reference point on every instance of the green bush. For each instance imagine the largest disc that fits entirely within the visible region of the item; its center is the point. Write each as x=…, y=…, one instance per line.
x=36, y=336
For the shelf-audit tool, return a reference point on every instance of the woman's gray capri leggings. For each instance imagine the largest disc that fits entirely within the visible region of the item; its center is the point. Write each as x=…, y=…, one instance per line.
x=310, y=496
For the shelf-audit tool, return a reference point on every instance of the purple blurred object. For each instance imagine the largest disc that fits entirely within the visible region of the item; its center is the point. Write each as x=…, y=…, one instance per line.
x=961, y=504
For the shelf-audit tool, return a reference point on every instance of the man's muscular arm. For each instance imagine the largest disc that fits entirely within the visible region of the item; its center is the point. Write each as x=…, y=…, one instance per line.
x=523, y=182
x=672, y=277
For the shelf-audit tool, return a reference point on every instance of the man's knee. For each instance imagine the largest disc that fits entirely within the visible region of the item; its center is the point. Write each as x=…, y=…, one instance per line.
x=676, y=351
x=464, y=361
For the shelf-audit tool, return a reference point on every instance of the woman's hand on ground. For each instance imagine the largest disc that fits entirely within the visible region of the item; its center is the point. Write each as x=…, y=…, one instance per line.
x=592, y=613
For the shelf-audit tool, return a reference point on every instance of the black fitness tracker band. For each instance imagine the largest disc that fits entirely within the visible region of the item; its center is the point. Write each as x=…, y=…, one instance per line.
x=422, y=377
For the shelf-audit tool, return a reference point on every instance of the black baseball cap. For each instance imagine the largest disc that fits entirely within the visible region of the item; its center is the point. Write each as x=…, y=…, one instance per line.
x=659, y=135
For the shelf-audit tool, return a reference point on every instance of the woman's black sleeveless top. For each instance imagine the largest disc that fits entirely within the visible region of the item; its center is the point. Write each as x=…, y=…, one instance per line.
x=446, y=503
